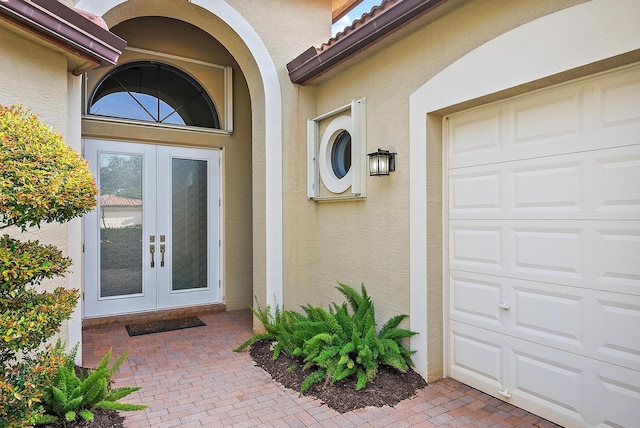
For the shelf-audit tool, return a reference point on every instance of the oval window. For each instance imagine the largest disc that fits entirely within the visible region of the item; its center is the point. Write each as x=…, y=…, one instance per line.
x=341, y=154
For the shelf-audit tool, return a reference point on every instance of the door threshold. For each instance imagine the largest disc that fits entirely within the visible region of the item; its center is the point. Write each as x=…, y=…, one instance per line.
x=164, y=314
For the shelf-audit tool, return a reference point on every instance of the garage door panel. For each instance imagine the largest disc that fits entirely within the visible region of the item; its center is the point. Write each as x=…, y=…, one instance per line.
x=544, y=249
x=476, y=134
x=617, y=333
x=618, y=97
x=547, y=380
x=548, y=187
x=617, y=257
x=548, y=118
x=620, y=398
x=616, y=186
x=598, y=184
x=598, y=114
x=593, y=323
x=477, y=356
x=550, y=314
x=476, y=299
x=572, y=389
x=477, y=246
x=549, y=251
x=476, y=192
x=595, y=254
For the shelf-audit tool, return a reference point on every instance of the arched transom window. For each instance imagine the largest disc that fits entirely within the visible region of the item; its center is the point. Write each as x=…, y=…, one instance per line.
x=153, y=92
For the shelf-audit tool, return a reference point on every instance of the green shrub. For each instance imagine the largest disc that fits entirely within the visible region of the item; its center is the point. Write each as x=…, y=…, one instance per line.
x=42, y=180
x=337, y=343
x=71, y=396
x=21, y=388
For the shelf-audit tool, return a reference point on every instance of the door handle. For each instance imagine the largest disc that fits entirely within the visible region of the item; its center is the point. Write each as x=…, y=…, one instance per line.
x=504, y=306
x=162, y=255
x=152, y=250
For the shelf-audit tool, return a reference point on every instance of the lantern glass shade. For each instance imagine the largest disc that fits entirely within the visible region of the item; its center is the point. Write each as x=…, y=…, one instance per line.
x=381, y=162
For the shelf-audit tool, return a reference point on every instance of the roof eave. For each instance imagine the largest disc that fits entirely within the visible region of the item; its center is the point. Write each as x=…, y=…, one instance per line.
x=61, y=26
x=312, y=63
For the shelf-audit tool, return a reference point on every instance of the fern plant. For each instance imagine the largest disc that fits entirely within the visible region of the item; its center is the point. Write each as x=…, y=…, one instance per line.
x=350, y=345
x=336, y=343
x=279, y=328
x=71, y=396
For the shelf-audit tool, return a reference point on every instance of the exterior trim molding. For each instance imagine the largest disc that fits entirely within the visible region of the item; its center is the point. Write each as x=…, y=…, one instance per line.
x=61, y=26
x=314, y=62
x=273, y=129
x=569, y=39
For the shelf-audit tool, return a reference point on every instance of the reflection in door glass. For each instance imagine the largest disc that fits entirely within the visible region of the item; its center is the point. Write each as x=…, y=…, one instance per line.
x=120, y=216
x=189, y=224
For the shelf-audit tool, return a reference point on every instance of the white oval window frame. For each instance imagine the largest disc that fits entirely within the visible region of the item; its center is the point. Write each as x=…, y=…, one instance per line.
x=329, y=178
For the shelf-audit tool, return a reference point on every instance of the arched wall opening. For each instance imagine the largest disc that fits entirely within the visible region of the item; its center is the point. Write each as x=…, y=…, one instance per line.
x=262, y=111
x=575, y=42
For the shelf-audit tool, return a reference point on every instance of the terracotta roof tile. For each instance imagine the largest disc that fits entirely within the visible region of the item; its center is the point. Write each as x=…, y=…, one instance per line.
x=357, y=23
x=371, y=27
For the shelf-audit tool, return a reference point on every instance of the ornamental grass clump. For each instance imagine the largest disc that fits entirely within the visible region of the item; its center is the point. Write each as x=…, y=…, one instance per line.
x=339, y=342
x=42, y=180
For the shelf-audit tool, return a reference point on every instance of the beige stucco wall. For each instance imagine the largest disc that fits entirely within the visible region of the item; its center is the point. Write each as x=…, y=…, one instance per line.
x=368, y=241
x=34, y=75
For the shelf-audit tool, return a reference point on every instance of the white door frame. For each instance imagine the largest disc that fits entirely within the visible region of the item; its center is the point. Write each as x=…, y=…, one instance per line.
x=156, y=293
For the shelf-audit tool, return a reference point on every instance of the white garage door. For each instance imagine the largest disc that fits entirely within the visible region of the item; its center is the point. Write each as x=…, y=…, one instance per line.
x=544, y=250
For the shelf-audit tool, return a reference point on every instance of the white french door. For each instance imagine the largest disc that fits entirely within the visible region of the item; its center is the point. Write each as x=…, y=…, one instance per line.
x=154, y=240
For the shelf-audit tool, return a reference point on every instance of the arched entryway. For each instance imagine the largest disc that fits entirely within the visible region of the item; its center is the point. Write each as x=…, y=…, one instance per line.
x=243, y=179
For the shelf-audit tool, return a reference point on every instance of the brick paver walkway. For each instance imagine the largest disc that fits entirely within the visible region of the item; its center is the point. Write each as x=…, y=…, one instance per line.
x=191, y=378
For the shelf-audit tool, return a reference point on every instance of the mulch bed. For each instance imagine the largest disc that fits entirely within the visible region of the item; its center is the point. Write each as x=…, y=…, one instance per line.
x=388, y=388
x=103, y=418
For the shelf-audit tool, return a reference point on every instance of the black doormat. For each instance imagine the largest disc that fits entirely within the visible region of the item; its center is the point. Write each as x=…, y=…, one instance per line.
x=139, y=329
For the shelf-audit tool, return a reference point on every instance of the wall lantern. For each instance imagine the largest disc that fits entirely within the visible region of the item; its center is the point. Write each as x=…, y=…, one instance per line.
x=381, y=162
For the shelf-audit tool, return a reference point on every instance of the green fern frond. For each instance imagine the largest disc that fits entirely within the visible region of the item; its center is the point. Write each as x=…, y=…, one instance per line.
x=354, y=299
x=348, y=348
x=118, y=363
x=395, y=361
x=104, y=362
x=326, y=357
x=253, y=340
x=91, y=380
x=93, y=392
x=391, y=324
x=342, y=373
x=59, y=400
x=315, y=377
x=70, y=416
x=117, y=393
x=121, y=407
x=398, y=334
x=72, y=405
x=362, y=380
x=87, y=415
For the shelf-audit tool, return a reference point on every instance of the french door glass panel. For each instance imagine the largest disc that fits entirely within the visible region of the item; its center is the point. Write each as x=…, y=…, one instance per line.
x=153, y=242
x=189, y=224
x=120, y=178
